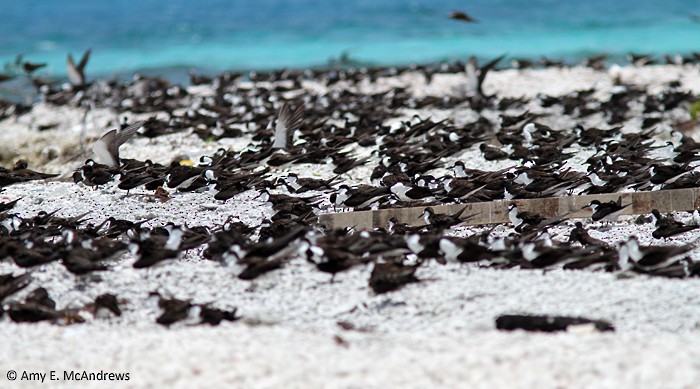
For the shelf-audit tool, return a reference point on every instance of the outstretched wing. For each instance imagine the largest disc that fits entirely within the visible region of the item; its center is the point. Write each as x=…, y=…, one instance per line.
x=74, y=75
x=288, y=121
x=102, y=147
x=126, y=134
x=83, y=61
x=106, y=149
x=485, y=69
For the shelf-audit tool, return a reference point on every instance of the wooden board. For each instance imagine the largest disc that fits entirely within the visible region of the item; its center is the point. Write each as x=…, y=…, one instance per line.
x=495, y=212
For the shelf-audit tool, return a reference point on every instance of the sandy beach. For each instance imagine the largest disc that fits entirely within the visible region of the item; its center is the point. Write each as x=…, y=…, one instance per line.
x=296, y=328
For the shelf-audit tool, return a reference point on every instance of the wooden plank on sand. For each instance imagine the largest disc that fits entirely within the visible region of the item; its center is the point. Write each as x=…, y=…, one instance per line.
x=495, y=212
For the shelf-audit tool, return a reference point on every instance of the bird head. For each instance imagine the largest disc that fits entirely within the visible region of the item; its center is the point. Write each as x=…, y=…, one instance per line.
x=427, y=212
x=655, y=215
x=593, y=205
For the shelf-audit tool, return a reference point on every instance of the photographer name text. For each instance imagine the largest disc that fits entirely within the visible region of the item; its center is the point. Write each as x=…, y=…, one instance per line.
x=66, y=375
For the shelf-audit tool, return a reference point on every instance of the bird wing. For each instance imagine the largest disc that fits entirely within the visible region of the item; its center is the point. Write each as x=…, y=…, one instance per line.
x=107, y=147
x=471, y=69
x=486, y=68
x=126, y=134
x=84, y=60
x=74, y=75
x=287, y=123
x=102, y=149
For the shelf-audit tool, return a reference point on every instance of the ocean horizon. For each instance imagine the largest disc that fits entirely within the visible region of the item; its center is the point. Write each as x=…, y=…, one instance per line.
x=173, y=36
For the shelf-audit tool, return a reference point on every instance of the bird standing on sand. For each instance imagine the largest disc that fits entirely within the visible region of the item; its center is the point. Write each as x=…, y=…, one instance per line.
x=358, y=197
x=411, y=193
x=667, y=227
x=442, y=220
x=667, y=261
x=21, y=172
x=579, y=234
x=10, y=284
x=390, y=276
x=106, y=149
x=524, y=219
x=295, y=184
x=606, y=211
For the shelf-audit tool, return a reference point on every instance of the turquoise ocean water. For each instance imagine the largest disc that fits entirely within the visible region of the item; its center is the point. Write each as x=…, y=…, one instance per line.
x=215, y=35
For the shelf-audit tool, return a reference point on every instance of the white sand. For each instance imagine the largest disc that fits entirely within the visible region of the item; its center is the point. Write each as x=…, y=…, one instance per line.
x=437, y=333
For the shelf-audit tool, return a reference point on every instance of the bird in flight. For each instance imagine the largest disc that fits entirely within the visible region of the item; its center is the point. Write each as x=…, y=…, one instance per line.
x=462, y=17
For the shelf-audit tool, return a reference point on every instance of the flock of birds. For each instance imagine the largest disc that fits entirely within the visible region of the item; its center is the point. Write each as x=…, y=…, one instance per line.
x=326, y=129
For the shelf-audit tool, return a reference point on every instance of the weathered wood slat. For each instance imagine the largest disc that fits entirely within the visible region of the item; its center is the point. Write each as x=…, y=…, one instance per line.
x=494, y=212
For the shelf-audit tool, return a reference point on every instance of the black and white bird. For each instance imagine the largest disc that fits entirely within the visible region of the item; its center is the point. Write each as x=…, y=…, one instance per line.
x=397, y=227
x=10, y=284
x=390, y=276
x=106, y=305
x=288, y=121
x=522, y=220
x=667, y=227
x=9, y=205
x=461, y=188
x=608, y=211
x=545, y=323
x=38, y=306
x=21, y=173
x=440, y=221
x=425, y=245
x=359, y=197
x=668, y=174
x=106, y=149
x=580, y=234
x=411, y=193
x=151, y=249
x=270, y=254
x=680, y=154
x=684, y=141
x=668, y=261
x=462, y=250
x=296, y=184
x=174, y=310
